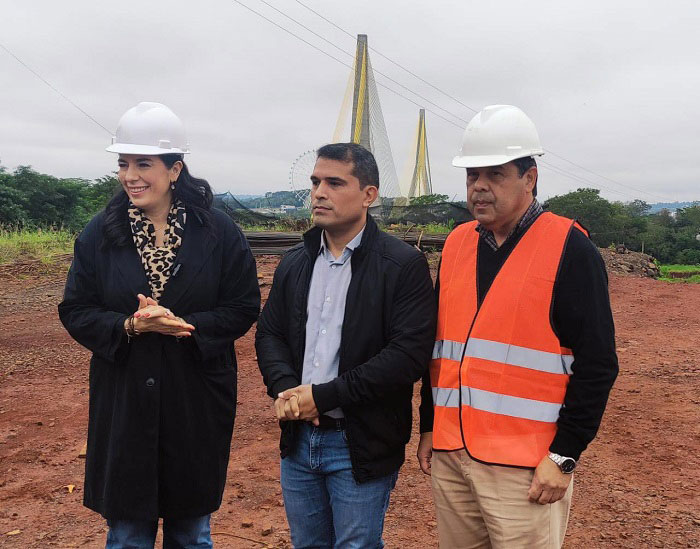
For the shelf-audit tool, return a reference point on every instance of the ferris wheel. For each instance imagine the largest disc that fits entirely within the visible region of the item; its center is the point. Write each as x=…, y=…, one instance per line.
x=300, y=174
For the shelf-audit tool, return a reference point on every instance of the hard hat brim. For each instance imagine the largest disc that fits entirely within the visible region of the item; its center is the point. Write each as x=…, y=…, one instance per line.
x=488, y=160
x=150, y=150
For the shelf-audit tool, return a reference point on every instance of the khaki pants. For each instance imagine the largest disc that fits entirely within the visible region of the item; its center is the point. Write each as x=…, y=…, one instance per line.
x=486, y=506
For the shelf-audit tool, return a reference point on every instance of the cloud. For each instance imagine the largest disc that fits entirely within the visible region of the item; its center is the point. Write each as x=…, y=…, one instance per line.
x=611, y=87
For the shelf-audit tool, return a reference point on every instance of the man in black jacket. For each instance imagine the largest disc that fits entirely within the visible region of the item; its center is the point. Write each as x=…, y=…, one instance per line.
x=346, y=331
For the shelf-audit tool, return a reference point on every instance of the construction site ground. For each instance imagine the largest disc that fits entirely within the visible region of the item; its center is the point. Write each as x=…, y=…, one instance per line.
x=637, y=485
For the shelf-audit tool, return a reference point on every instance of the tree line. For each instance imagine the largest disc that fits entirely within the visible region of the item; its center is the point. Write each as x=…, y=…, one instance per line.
x=29, y=199
x=669, y=237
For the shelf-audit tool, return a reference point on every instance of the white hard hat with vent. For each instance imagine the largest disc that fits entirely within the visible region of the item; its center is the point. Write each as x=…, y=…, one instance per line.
x=497, y=135
x=151, y=129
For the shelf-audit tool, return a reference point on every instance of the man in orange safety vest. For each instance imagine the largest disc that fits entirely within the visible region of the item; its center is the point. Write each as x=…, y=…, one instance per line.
x=524, y=355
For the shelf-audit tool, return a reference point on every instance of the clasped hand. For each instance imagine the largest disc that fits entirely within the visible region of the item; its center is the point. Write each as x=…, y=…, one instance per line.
x=152, y=317
x=296, y=403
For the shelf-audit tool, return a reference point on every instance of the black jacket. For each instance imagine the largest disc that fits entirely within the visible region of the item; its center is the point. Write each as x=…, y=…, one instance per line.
x=161, y=409
x=386, y=342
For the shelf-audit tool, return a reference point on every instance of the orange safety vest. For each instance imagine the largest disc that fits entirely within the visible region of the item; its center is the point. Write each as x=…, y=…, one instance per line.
x=498, y=396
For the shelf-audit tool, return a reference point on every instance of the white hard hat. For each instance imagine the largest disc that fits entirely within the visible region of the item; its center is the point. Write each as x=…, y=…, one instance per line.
x=149, y=128
x=497, y=135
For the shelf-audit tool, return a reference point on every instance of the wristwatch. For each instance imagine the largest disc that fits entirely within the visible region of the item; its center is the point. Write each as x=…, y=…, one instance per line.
x=566, y=464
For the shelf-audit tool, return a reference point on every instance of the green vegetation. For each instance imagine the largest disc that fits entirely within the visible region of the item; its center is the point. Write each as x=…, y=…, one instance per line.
x=281, y=225
x=41, y=214
x=429, y=199
x=39, y=244
x=29, y=200
x=54, y=208
x=690, y=273
x=670, y=239
x=437, y=228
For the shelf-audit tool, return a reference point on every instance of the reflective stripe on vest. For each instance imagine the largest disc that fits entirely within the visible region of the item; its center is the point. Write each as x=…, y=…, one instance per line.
x=494, y=351
x=511, y=376
x=494, y=403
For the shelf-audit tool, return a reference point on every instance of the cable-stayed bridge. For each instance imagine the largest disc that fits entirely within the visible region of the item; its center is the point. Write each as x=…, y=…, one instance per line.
x=361, y=111
x=420, y=181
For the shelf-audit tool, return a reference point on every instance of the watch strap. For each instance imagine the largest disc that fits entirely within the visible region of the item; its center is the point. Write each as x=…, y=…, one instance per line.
x=563, y=462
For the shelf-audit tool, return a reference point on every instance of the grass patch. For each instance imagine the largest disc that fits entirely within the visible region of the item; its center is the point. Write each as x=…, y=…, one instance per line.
x=284, y=225
x=39, y=244
x=437, y=228
x=667, y=272
x=426, y=228
x=678, y=268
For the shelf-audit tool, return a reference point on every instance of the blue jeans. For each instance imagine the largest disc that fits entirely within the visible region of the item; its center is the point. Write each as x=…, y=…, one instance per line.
x=325, y=506
x=190, y=533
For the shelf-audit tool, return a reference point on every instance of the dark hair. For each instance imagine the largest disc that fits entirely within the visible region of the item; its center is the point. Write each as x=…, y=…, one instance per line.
x=523, y=165
x=193, y=192
x=364, y=166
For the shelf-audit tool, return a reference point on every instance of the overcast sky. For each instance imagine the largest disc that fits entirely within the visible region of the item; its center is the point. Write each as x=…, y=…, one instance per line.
x=611, y=86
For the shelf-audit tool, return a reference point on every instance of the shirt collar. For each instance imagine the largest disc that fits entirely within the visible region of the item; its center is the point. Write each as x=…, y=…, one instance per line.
x=354, y=243
x=528, y=218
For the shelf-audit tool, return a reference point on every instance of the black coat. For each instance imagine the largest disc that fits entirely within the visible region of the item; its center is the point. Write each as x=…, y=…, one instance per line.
x=161, y=409
x=386, y=342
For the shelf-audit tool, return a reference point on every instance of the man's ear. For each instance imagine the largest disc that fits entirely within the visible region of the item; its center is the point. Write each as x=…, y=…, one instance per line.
x=530, y=179
x=371, y=193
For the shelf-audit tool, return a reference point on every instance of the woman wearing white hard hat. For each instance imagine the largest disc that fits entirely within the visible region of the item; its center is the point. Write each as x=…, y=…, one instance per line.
x=160, y=287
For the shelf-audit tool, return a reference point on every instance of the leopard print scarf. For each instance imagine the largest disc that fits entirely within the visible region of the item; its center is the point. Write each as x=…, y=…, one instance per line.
x=157, y=262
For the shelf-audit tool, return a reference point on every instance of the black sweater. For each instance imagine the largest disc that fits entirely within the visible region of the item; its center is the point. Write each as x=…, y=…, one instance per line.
x=582, y=320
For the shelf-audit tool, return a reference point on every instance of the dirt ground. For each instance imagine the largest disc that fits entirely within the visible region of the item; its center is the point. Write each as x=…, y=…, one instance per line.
x=637, y=484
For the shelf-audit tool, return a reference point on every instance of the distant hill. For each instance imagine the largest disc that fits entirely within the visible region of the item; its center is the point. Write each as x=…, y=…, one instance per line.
x=670, y=206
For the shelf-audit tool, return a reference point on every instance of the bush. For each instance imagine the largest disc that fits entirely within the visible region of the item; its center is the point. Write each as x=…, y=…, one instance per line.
x=29, y=199
x=688, y=257
x=429, y=199
x=668, y=238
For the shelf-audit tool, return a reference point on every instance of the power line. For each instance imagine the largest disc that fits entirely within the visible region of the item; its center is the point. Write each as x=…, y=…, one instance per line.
x=557, y=169
x=352, y=56
x=604, y=177
x=560, y=171
x=53, y=87
x=388, y=58
x=338, y=60
x=327, y=20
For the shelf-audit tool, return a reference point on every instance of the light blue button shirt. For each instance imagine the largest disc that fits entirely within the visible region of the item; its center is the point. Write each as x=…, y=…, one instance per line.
x=325, y=313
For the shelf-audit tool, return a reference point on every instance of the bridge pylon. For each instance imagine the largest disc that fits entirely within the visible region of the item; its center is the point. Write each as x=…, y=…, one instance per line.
x=421, y=181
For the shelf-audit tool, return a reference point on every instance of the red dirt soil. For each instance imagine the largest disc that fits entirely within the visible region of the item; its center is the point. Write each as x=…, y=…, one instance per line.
x=637, y=484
